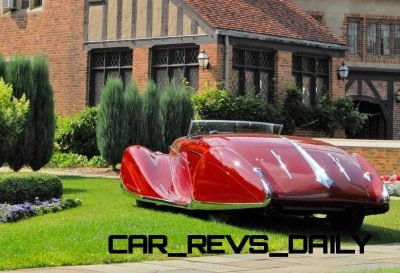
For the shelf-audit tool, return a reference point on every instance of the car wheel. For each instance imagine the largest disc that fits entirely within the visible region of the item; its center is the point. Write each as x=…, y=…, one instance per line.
x=347, y=221
x=146, y=205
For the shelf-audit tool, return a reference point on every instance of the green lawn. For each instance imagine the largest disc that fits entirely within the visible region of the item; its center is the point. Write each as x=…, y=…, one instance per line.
x=380, y=270
x=80, y=235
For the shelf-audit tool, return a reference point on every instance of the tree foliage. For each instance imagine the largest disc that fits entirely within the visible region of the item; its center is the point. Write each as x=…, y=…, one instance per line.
x=153, y=137
x=111, y=129
x=19, y=75
x=12, y=118
x=77, y=133
x=176, y=112
x=43, y=115
x=134, y=111
x=2, y=67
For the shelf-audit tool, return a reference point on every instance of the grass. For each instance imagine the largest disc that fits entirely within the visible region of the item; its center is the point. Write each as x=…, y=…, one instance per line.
x=80, y=235
x=379, y=270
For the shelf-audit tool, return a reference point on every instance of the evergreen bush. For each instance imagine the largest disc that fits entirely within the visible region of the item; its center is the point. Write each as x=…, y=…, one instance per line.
x=27, y=187
x=176, y=112
x=213, y=104
x=19, y=75
x=134, y=112
x=43, y=115
x=153, y=138
x=2, y=67
x=294, y=112
x=77, y=133
x=111, y=129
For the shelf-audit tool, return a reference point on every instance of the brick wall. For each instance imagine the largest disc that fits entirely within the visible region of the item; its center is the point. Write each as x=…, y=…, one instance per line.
x=384, y=160
x=56, y=31
x=215, y=73
x=284, y=75
x=141, y=67
x=337, y=85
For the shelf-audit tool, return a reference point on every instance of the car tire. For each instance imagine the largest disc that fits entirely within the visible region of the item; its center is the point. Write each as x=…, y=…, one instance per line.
x=146, y=205
x=346, y=221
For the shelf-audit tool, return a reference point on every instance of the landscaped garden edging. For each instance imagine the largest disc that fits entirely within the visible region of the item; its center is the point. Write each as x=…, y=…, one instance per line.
x=383, y=155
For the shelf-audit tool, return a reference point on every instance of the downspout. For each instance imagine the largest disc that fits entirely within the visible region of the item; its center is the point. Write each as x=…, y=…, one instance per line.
x=227, y=59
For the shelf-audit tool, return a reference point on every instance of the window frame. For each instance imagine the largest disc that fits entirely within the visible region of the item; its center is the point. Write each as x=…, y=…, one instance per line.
x=257, y=68
x=170, y=64
x=314, y=75
x=376, y=48
x=396, y=45
x=357, y=36
x=106, y=68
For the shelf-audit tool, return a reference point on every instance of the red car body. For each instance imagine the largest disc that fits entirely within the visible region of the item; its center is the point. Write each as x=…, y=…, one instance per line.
x=239, y=171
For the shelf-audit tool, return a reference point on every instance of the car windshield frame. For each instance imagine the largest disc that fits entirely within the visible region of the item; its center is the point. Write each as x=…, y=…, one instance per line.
x=264, y=127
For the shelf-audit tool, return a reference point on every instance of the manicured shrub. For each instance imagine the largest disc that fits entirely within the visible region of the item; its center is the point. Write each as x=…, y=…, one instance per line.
x=176, y=112
x=77, y=134
x=2, y=67
x=97, y=162
x=323, y=118
x=254, y=108
x=111, y=127
x=220, y=105
x=349, y=116
x=19, y=75
x=213, y=104
x=12, y=118
x=153, y=138
x=69, y=160
x=294, y=112
x=21, y=188
x=43, y=115
x=134, y=112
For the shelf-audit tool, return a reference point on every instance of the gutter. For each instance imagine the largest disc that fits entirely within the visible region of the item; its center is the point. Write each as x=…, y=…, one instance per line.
x=251, y=35
x=227, y=58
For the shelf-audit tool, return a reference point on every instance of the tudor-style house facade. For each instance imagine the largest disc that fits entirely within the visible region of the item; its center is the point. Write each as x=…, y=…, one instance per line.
x=253, y=46
x=371, y=29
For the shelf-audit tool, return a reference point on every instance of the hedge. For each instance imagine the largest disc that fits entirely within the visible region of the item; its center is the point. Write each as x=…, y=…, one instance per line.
x=27, y=187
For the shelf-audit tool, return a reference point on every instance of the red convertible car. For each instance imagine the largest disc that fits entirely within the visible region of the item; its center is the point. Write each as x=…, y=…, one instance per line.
x=236, y=165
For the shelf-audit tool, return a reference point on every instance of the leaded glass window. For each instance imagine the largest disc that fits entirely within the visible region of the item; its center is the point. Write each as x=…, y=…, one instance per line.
x=385, y=39
x=312, y=77
x=353, y=37
x=253, y=73
x=177, y=64
x=105, y=64
x=371, y=38
x=25, y=4
x=397, y=39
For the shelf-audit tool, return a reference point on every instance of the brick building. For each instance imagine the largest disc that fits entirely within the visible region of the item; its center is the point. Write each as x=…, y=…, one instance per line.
x=253, y=46
x=371, y=29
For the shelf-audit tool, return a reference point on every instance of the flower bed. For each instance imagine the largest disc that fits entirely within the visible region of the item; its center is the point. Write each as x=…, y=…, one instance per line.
x=14, y=213
x=392, y=184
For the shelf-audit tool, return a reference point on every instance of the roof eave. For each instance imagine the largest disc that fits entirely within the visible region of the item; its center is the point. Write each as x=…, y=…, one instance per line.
x=277, y=39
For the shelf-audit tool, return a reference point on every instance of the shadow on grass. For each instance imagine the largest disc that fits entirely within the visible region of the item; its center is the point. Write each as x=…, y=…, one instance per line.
x=73, y=191
x=287, y=224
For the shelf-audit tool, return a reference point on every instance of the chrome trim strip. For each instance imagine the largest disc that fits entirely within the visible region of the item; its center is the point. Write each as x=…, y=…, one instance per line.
x=368, y=176
x=319, y=172
x=337, y=162
x=197, y=205
x=283, y=165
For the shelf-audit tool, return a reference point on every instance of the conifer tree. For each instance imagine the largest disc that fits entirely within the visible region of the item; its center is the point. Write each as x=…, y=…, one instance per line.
x=2, y=67
x=153, y=138
x=43, y=115
x=134, y=112
x=19, y=75
x=111, y=128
